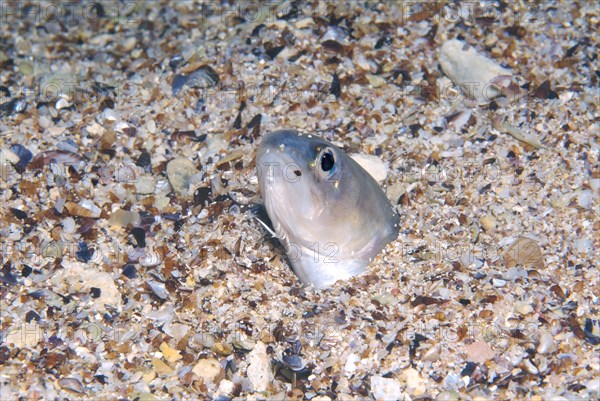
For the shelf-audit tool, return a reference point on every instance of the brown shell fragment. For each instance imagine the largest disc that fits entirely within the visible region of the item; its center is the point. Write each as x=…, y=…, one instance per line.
x=72, y=384
x=524, y=252
x=122, y=278
x=55, y=156
x=83, y=209
x=575, y=327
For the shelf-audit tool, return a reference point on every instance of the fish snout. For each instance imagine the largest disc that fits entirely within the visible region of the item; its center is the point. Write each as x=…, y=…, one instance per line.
x=273, y=168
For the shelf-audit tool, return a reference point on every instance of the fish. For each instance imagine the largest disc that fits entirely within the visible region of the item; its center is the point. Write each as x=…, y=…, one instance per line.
x=330, y=215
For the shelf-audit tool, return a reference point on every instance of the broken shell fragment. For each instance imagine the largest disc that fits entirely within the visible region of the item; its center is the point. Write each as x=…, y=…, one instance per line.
x=479, y=77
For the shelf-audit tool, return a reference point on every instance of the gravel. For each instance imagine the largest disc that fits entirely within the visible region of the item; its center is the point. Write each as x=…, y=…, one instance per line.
x=123, y=279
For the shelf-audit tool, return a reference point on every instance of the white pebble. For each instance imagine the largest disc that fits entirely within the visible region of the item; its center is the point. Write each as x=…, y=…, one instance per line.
x=373, y=165
x=8, y=155
x=226, y=387
x=584, y=199
x=386, y=389
x=498, y=282
x=259, y=367
x=350, y=366
x=62, y=103
x=179, y=171
x=110, y=115
x=68, y=225
x=583, y=244
x=547, y=344
x=515, y=273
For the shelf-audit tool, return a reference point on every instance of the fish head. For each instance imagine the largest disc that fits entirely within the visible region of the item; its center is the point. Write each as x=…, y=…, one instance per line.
x=300, y=179
x=327, y=211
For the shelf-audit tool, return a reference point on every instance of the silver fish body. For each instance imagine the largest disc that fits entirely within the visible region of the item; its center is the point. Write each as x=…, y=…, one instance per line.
x=330, y=215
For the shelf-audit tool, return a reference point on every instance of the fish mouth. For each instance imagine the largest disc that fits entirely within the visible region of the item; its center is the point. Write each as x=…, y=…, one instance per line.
x=285, y=186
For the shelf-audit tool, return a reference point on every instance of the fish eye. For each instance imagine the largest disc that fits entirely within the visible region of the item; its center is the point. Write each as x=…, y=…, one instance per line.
x=327, y=160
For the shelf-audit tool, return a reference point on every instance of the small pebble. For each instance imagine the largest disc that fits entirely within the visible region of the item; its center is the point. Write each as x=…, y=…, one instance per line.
x=129, y=271
x=375, y=80
x=226, y=387
x=479, y=351
x=452, y=381
x=123, y=218
x=171, y=355
x=18, y=213
x=8, y=155
x=383, y=388
x=584, y=198
x=44, y=122
x=55, y=131
x=68, y=145
x=583, y=244
x=432, y=354
x=523, y=308
x=208, y=369
x=24, y=155
x=350, y=366
x=129, y=43
x=497, y=282
x=151, y=126
x=304, y=23
x=525, y=252
x=176, y=330
x=259, y=367
x=159, y=289
x=72, y=385
x=32, y=315
x=110, y=115
x=79, y=277
x=62, y=103
x=488, y=222
x=515, y=354
x=83, y=253
x=547, y=344
x=515, y=273
x=144, y=161
x=145, y=185
x=161, y=368
x=530, y=367
x=140, y=236
x=179, y=172
x=479, y=275
x=415, y=384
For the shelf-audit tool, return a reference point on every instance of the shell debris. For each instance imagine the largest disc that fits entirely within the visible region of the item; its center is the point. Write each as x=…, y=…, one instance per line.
x=160, y=284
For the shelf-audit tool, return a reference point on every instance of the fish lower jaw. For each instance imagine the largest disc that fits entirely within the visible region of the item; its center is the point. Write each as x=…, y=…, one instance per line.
x=320, y=271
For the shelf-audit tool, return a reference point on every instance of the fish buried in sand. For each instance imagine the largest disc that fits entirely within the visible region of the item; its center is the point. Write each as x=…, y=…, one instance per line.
x=328, y=212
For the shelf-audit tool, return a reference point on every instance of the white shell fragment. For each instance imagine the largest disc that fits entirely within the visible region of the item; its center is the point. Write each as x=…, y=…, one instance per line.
x=115, y=285
x=373, y=164
x=72, y=384
x=476, y=74
x=259, y=368
x=547, y=344
x=386, y=389
x=85, y=208
x=76, y=277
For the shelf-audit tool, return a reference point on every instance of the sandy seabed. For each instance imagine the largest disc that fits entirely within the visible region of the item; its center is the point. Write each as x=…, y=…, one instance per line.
x=132, y=267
